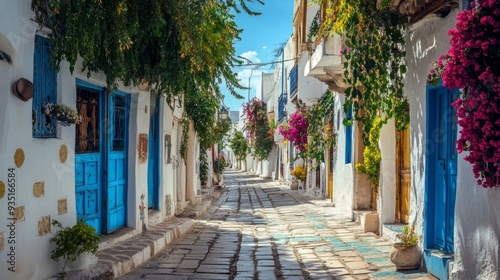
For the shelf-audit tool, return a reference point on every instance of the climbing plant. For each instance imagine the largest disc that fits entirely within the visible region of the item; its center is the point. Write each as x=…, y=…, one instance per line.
x=320, y=133
x=258, y=128
x=374, y=66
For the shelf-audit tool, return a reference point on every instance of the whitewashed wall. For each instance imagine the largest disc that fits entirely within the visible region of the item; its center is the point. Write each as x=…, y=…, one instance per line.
x=343, y=174
x=426, y=41
x=388, y=173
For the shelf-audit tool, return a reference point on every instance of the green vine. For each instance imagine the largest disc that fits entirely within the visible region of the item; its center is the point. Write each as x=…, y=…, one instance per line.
x=203, y=168
x=185, y=136
x=374, y=69
x=372, y=156
x=320, y=131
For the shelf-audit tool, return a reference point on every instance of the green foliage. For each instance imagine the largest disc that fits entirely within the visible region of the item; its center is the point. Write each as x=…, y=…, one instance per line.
x=239, y=145
x=314, y=28
x=258, y=128
x=375, y=66
x=186, y=123
x=203, y=168
x=70, y=242
x=219, y=164
x=320, y=131
x=408, y=236
x=172, y=45
x=371, y=155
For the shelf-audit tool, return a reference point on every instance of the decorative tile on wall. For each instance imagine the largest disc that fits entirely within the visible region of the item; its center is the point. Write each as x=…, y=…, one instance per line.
x=19, y=214
x=19, y=157
x=63, y=153
x=39, y=189
x=62, y=206
x=43, y=225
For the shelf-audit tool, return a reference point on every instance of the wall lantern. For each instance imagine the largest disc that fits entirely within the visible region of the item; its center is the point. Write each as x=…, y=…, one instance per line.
x=223, y=113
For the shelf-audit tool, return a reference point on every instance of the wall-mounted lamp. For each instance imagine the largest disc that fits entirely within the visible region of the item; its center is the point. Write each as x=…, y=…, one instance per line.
x=223, y=113
x=168, y=148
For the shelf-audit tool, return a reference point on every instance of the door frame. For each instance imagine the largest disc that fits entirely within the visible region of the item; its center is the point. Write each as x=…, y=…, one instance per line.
x=104, y=142
x=436, y=263
x=401, y=153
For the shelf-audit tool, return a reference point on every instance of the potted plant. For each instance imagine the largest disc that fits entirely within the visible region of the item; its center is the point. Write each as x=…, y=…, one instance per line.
x=72, y=243
x=405, y=254
x=298, y=173
x=63, y=114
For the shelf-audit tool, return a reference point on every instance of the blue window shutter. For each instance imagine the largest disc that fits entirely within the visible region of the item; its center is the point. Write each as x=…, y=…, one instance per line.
x=45, y=89
x=348, y=139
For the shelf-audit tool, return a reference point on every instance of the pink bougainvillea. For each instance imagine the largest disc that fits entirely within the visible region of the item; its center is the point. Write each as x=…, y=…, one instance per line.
x=473, y=63
x=296, y=132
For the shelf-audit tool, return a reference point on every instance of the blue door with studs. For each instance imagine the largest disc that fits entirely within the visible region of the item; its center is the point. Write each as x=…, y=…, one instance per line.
x=101, y=157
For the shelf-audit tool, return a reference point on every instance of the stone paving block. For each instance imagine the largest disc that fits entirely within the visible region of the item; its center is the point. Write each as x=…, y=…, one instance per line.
x=356, y=265
x=338, y=271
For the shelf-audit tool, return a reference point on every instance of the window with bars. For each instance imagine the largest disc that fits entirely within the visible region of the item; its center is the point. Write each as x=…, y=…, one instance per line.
x=45, y=89
x=87, y=131
x=119, y=122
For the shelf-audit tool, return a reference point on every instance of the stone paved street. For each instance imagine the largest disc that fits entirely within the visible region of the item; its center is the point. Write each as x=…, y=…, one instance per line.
x=261, y=230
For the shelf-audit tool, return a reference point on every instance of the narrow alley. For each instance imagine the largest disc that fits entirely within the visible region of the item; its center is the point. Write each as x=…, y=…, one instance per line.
x=260, y=229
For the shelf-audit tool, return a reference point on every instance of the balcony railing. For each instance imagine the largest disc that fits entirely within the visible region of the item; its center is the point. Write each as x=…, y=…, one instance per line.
x=282, y=107
x=294, y=78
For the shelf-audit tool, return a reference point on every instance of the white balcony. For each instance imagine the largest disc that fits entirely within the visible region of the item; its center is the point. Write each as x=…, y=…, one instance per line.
x=326, y=62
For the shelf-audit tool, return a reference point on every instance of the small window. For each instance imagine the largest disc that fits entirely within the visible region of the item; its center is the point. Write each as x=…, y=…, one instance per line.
x=45, y=89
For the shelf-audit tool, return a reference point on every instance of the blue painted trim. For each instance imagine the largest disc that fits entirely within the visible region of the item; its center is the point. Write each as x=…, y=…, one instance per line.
x=88, y=85
x=437, y=266
x=348, y=139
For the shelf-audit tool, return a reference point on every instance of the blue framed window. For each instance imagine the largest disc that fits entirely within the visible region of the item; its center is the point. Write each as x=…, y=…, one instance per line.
x=348, y=139
x=45, y=89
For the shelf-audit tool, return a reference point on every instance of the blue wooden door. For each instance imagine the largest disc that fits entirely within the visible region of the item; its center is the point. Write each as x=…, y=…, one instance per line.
x=442, y=168
x=88, y=157
x=116, y=190
x=153, y=153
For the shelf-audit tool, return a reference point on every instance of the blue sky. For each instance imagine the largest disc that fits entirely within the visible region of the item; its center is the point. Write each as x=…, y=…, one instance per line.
x=260, y=36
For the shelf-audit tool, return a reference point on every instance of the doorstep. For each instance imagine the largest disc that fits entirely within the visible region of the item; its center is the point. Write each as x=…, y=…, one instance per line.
x=125, y=249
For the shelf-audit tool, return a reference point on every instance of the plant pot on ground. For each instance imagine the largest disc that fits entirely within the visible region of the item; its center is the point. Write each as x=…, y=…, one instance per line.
x=406, y=254
x=72, y=242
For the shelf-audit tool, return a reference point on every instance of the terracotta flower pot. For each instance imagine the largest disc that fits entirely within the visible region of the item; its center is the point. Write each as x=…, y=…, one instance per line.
x=405, y=257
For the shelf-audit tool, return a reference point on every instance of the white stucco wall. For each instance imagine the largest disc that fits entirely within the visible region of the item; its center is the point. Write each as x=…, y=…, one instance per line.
x=426, y=41
x=343, y=174
x=387, y=184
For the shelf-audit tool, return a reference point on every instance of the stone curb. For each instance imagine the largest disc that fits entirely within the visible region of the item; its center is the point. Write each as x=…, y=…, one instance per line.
x=124, y=256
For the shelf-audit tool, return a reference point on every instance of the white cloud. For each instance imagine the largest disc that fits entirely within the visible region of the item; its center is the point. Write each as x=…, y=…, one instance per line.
x=251, y=55
x=264, y=47
x=251, y=73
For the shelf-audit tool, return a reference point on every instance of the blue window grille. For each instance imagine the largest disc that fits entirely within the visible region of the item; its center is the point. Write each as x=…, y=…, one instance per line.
x=282, y=107
x=294, y=75
x=45, y=89
x=348, y=139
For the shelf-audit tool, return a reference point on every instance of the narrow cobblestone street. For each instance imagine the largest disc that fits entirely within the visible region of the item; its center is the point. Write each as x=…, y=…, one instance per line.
x=260, y=229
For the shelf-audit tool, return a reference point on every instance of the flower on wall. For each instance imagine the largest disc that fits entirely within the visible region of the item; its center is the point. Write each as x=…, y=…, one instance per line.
x=472, y=63
x=296, y=132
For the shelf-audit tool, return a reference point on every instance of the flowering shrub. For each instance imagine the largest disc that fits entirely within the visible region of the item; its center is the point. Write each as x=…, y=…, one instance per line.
x=472, y=63
x=296, y=132
x=258, y=128
x=64, y=115
x=299, y=172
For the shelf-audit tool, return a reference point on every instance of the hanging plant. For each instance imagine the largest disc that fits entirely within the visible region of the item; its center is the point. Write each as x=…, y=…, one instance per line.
x=472, y=63
x=63, y=114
